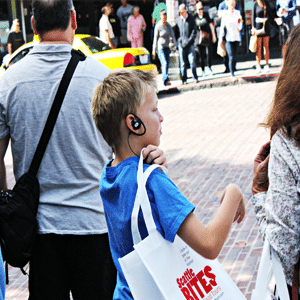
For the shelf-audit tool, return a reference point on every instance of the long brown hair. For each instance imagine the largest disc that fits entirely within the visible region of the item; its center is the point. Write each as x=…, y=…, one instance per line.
x=285, y=110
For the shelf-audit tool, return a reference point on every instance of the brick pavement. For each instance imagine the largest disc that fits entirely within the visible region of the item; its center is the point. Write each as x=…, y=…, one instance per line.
x=210, y=138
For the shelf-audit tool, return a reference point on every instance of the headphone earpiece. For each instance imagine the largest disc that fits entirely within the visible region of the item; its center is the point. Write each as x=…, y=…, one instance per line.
x=136, y=123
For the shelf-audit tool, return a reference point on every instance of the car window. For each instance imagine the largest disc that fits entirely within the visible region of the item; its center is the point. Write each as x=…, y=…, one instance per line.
x=95, y=44
x=20, y=55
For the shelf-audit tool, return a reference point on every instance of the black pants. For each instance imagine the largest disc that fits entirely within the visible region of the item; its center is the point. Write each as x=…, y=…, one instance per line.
x=81, y=265
x=205, y=54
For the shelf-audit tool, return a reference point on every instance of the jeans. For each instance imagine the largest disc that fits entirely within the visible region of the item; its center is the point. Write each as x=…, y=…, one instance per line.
x=232, y=49
x=64, y=263
x=164, y=57
x=185, y=55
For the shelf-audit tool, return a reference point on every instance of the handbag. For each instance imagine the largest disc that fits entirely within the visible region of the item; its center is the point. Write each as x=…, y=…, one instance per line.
x=18, y=207
x=262, y=31
x=270, y=265
x=204, y=38
x=159, y=270
x=253, y=43
x=221, y=50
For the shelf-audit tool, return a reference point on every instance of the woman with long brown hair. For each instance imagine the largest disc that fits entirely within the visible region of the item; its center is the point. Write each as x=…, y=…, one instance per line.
x=277, y=207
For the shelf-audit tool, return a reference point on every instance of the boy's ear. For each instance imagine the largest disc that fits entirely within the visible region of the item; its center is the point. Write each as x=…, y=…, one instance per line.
x=129, y=119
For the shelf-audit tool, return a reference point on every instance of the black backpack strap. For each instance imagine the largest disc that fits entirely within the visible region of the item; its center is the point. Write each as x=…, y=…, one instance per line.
x=62, y=89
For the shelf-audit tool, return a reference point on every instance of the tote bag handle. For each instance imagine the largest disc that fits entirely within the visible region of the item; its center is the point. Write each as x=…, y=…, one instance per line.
x=141, y=202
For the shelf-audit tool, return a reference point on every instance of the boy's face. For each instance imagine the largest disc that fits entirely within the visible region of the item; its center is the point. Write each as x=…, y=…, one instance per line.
x=151, y=117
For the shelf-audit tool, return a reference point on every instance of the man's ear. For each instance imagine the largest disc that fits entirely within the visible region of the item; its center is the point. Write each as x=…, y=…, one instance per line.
x=73, y=20
x=33, y=26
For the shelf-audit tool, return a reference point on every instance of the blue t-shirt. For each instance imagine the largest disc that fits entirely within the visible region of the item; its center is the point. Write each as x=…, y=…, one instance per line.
x=118, y=189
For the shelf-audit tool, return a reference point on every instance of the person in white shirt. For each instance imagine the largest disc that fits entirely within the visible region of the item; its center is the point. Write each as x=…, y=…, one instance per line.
x=105, y=28
x=231, y=25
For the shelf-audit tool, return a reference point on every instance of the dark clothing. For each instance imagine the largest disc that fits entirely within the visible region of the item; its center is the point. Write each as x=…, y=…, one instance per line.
x=115, y=24
x=186, y=31
x=202, y=24
x=16, y=40
x=92, y=277
x=259, y=12
x=205, y=53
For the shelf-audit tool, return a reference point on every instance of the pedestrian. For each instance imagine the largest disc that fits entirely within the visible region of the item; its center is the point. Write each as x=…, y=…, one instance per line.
x=15, y=37
x=231, y=25
x=206, y=35
x=135, y=28
x=106, y=31
x=286, y=10
x=71, y=251
x=162, y=34
x=127, y=101
x=123, y=13
x=186, y=30
x=223, y=6
x=115, y=24
x=261, y=15
x=276, y=169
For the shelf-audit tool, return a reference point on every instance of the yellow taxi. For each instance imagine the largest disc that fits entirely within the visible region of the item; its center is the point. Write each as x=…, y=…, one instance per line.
x=133, y=58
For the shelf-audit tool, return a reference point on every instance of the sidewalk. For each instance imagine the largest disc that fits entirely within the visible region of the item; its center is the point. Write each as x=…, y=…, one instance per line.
x=246, y=73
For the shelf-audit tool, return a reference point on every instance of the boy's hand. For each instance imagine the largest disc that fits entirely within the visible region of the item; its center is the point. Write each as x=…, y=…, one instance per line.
x=235, y=192
x=154, y=155
x=240, y=213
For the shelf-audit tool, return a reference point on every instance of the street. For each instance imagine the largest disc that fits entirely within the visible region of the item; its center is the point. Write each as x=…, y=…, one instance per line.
x=210, y=138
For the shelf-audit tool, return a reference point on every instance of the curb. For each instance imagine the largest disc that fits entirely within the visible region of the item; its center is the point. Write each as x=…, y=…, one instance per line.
x=220, y=82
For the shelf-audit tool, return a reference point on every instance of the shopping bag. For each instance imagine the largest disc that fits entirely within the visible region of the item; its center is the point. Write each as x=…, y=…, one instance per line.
x=221, y=50
x=253, y=43
x=158, y=269
x=270, y=266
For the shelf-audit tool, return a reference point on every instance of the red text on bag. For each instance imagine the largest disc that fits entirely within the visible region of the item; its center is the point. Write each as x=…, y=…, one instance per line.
x=197, y=286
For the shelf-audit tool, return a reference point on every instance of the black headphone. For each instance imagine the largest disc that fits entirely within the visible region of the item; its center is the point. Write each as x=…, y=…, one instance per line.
x=136, y=124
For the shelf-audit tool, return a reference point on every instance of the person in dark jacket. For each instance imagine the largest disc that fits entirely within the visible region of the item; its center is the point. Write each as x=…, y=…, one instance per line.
x=186, y=30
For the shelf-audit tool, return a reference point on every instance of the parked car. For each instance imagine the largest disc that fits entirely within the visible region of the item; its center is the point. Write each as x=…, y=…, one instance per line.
x=133, y=58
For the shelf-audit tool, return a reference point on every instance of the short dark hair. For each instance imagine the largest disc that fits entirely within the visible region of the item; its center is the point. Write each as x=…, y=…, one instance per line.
x=51, y=14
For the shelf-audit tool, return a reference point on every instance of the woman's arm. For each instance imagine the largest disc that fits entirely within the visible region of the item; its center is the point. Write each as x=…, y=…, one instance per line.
x=278, y=210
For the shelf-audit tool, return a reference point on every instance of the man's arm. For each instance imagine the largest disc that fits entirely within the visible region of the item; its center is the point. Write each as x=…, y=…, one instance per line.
x=9, y=48
x=109, y=40
x=3, y=148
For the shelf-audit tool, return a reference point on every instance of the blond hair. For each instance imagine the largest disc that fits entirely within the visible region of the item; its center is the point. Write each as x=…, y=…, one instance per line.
x=121, y=93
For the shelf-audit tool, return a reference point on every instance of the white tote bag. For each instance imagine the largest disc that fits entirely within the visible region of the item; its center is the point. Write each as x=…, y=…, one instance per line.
x=158, y=269
x=270, y=265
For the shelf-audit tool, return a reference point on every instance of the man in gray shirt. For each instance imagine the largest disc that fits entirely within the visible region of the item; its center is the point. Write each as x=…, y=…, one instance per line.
x=123, y=13
x=71, y=252
x=162, y=34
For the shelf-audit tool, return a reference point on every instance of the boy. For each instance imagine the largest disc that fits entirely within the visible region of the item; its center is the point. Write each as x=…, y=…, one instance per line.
x=125, y=111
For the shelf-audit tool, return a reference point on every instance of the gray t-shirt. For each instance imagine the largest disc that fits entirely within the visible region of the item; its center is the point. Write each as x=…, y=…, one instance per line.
x=70, y=171
x=123, y=14
x=162, y=36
